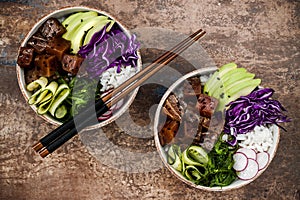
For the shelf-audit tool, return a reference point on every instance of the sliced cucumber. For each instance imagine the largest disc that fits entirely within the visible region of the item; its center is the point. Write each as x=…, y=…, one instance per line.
x=61, y=111
x=41, y=82
x=61, y=94
x=44, y=107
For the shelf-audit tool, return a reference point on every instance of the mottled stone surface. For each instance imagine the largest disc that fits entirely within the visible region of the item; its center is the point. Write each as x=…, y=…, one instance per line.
x=261, y=35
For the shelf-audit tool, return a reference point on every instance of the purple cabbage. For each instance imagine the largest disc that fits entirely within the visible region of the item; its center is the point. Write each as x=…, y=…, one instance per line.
x=109, y=49
x=253, y=110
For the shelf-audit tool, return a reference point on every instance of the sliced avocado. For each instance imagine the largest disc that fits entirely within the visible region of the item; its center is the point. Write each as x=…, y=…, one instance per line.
x=225, y=87
x=216, y=77
x=76, y=22
x=228, y=77
x=211, y=81
x=77, y=36
x=70, y=18
x=226, y=68
x=237, y=89
x=96, y=29
x=222, y=103
x=244, y=91
x=229, y=82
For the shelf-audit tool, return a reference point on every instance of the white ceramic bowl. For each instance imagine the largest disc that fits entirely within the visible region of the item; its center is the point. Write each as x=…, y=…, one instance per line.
x=237, y=183
x=60, y=13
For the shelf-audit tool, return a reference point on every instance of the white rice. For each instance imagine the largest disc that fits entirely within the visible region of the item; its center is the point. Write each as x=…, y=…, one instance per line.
x=260, y=139
x=111, y=78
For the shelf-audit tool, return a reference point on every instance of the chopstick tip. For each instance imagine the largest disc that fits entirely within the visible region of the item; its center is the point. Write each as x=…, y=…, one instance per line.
x=38, y=146
x=44, y=153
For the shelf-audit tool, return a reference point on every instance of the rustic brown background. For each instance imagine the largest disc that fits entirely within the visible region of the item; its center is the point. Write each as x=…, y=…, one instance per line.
x=261, y=35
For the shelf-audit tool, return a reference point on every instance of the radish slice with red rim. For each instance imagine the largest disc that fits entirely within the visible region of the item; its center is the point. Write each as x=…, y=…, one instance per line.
x=107, y=114
x=250, y=153
x=117, y=105
x=240, y=161
x=262, y=160
x=250, y=171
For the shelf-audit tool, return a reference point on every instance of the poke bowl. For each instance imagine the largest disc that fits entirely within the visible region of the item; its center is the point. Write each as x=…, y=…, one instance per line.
x=213, y=136
x=72, y=57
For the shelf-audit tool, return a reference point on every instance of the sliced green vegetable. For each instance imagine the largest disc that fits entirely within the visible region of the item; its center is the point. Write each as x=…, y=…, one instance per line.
x=96, y=29
x=45, y=106
x=70, y=18
x=61, y=94
x=195, y=174
x=198, y=154
x=41, y=82
x=212, y=169
x=194, y=155
x=41, y=97
x=77, y=35
x=174, y=157
x=32, y=99
x=74, y=22
x=61, y=111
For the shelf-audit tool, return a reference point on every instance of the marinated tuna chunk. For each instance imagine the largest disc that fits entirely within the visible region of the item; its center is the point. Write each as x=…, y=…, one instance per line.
x=58, y=47
x=168, y=132
x=25, y=57
x=192, y=87
x=172, y=108
x=46, y=65
x=52, y=28
x=206, y=105
x=71, y=63
x=38, y=42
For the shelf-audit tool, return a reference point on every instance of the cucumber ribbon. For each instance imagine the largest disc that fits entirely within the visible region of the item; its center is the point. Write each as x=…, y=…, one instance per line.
x=48, y=97
x=192, y=163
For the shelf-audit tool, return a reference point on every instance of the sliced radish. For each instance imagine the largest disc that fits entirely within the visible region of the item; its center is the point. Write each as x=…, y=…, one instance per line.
x=250, y=171
x=262, y=159
x=108, y=113
x=105, y=116
x=240, y=161
x=118, y=105
x=250, y=153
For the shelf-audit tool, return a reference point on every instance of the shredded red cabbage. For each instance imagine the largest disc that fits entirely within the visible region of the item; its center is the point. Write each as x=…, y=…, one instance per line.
x=253, y=110
x=109, y=49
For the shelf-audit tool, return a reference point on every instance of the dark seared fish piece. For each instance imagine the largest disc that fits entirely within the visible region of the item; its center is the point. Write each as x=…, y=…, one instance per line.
x=216, y=124
x=206, y=105
x=192, y=87
x=52, y=28
x=25, y=58
x=172, y=108
x=71, y=63
x=58, y=47
x=168, y=132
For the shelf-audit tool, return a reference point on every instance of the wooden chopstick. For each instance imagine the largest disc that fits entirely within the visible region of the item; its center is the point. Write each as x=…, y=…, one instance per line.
x=62, y=134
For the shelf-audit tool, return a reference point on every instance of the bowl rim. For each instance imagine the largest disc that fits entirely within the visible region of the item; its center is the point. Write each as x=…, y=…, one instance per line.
x=20, y=71
x=240, y=183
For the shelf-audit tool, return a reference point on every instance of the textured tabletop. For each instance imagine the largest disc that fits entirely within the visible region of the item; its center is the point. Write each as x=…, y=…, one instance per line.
x=120, y=160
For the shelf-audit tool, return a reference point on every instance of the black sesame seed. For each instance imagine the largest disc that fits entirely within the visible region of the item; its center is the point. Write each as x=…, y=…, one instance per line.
x=222, y=95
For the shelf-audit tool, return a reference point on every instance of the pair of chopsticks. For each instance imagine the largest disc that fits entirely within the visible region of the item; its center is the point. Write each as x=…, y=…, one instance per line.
x=66, y=131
